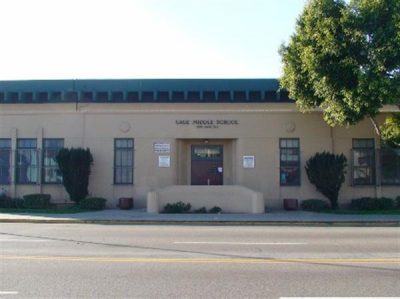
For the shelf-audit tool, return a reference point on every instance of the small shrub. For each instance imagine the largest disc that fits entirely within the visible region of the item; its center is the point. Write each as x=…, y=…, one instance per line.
x=215, y=210
x=372, y=203
x=178, y=207
x=92, y=203
x=201, y=210
x=36, y=201
x=314, y=205
x=10, y=203
x=397, y=202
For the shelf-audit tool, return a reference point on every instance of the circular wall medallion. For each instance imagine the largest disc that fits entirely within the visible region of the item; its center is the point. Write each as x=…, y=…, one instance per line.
x=124, y=127
x=290, y=126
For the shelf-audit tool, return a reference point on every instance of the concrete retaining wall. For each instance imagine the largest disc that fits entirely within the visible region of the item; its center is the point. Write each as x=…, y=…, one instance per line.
x=231, y=199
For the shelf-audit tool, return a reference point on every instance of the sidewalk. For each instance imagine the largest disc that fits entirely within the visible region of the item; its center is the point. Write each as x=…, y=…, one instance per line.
x=114, y=216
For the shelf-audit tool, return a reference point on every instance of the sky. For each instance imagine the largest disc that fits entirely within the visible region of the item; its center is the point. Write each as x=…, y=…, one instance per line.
x=81, y=39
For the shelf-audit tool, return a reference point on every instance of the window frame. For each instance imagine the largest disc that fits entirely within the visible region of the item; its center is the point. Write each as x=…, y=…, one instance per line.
x=381, y=168
x=9, y=150
x=18, y=167
x=371, y=166
x=131, y=167
x=298, y=164
x=43, y=166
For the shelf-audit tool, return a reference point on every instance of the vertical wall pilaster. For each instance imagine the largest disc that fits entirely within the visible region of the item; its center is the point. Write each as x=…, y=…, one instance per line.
x=39, y=136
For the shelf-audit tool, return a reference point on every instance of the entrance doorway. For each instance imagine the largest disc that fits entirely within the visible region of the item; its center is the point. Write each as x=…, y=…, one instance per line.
x=207, y=165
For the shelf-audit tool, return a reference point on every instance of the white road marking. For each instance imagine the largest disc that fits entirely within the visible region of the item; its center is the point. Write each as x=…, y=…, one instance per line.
x=242, y=243
x=8, y=293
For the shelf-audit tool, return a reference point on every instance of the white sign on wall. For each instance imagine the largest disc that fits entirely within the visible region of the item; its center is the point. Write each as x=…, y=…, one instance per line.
x=162, y=148
x=164, y=161
x=248, y=161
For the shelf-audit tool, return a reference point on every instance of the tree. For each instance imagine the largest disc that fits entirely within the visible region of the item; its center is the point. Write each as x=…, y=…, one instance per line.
x=74, y=165
x=345, y=59
x=327, y=172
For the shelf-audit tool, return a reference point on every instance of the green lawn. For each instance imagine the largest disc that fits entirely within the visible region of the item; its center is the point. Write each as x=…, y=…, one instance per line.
x=58, y=210
x=355, y=212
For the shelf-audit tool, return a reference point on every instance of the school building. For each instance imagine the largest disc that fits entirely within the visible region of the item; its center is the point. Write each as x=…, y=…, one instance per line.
x=236, y=143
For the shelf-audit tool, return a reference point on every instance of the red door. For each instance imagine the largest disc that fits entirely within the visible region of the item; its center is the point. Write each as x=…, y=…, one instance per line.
x=207, y=165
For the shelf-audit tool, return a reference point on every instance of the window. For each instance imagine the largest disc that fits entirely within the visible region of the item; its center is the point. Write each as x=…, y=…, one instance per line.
x=239, y=95
x=178, y=96
x=27, y=97
x=5, y=161
x=224, y=95
x=209, y=96
x=71, y=96
x=26, y=161
x=147, y=96
x=123, y=161
x=194, y=96
x=117, y=96
x=55, y=96
x=50, y=174
x=289, y=161
x=255, y=95
x=13, y=97
x=102, y=96
x=163, y=96
x=42, y=96
x=132, y=96
x=363, y=166
x=390, y=166
x=86, y=96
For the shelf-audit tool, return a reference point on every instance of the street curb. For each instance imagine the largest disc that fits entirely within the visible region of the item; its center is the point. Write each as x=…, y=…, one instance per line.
x=210, y=223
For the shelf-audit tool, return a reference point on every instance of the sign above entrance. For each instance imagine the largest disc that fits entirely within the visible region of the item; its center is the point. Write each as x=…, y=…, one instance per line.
x=207, y=123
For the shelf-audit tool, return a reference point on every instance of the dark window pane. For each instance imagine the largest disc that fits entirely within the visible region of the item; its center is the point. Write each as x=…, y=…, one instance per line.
x=132, y=96
x=117, y=96
x=239, y=96
x=163, y=96
x=5, y=161
x=123, y=161
x=178, y=96
x=71, y=96
x=26, y=161
x=102, y=96
x=289, y=161
x=147, y=96
x=209, y=96
x=194, y=96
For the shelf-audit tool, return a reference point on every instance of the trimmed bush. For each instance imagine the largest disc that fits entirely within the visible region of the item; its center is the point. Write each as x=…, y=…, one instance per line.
x=215, y=210
x=327, y=172
x=10, y=203
x=74, y=165
x=178, y=207
x=201, y=210
x=92, y=203
x=36, y=201
x=314, y=205
x=372, y=203
x=397, y=202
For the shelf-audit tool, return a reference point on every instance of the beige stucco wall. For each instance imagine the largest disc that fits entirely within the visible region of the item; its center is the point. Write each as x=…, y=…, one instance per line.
x=257, y=133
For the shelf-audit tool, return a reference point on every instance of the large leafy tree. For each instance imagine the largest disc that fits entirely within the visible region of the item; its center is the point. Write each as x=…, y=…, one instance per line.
x=345, y=59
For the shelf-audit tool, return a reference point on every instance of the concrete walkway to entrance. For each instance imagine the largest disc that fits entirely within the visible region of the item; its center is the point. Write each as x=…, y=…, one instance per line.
x=115, y=216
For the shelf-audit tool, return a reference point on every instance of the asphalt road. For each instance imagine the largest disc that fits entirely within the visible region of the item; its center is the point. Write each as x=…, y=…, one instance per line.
x=101, y=261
